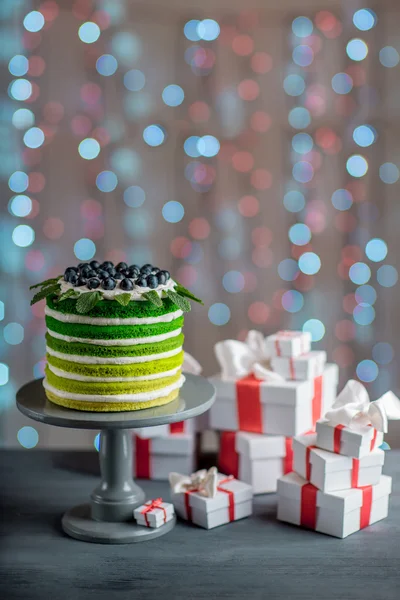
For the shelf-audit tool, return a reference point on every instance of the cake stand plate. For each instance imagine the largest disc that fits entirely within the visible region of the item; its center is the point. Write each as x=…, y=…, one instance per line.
x=108, y=518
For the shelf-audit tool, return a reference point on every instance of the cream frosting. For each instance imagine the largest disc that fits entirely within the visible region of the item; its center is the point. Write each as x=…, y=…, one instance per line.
x=142, y=397
x=112, y=360
x=136, y=293
x=85, y=320
x=78, y=377
x=118, y=342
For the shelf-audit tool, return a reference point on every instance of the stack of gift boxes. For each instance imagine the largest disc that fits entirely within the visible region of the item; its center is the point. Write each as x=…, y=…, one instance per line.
x=269, y=390
x=337, y=486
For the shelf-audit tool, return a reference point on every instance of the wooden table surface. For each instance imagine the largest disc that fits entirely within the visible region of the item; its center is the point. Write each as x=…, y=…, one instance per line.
x=256, y=558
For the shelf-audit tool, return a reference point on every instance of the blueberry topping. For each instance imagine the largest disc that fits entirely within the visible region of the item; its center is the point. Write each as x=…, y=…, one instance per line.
x=118, y=276
x=167, y=275
x=146, y=270
x=108, y=284
x=131, y=272
x=94, y=264
x=93, y=283
x=126, y=284
x=101, y=274
x=72, y=270
x=135, y=268
x=152, y=281
x=107, y=265
x=91, y=273
x=85, y=271
x=81, y=281
x=147, y=265
x=111, y=271
x=161, y=278
x=141, y=282
x=81, y=265
x=155, y=270
x=73, y=279
x=121, y=266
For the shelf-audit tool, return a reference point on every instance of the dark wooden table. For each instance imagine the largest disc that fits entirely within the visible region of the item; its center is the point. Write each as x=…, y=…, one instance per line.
x=255, y=558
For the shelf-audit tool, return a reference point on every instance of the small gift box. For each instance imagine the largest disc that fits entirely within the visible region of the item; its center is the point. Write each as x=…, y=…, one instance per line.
x=306, y=366
x=258, y=460
x=210, y=499
x=335, y=513
x=331, y=472
x=154, y=513
x=166, y=430
x=155, y=458
x=288, y=343
x=354, y=426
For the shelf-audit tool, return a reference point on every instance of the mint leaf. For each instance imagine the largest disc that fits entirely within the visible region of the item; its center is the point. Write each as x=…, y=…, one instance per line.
x=44, y=292
x=87, y=301
x=123, y=299
x=182, y=291
x=180, y=301
x=68, y=294
x=153, y=297
x=45, y=283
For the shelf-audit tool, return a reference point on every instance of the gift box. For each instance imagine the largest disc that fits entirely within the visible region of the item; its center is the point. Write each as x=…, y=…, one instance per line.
x=355, y=443
x=230, y=501
x=256, y=459
x=335, y=513
x=331, y=472
x=285, y=408
x=306, y=366
x=155, y=458
x=154, y=513
x=288, y=343
x=187, y=426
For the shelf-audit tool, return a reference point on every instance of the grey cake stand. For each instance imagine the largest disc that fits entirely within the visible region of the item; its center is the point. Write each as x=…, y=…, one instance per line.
x=108, y=518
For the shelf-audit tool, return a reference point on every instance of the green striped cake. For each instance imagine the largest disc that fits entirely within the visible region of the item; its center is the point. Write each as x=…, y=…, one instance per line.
x=114, y=346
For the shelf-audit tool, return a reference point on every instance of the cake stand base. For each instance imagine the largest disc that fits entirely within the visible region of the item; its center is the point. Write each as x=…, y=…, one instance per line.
x=78, y=523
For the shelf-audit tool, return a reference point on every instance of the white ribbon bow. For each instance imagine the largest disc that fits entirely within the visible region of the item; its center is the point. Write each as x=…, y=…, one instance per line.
x=191, y=365
x=352, y=408
x=239, y=359
x=203, y=482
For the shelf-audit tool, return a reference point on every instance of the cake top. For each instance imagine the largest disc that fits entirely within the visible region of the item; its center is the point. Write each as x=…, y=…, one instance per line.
x=90, y=283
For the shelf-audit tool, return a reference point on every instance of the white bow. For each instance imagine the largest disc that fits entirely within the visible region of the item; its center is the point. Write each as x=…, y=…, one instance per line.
x=239, y=359
x=203, y=482
x=353, y=408
x=191, y=365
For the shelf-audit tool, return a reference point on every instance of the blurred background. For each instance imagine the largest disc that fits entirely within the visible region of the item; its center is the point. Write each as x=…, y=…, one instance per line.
x=251, y=148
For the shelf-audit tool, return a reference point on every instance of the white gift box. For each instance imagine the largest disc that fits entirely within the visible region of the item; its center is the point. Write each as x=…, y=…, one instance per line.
x=154, y=513
x=285, y=408
x=263, y=459
x=330, y=472
x=288, y=343
x=187, y=426
x=345, y=440
x=335, y=513
x=233, y=501
x=306, y=366
x=155, y=458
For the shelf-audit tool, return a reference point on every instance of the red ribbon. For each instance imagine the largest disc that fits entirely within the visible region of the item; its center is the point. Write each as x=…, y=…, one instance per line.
x=249, y=404
x=177, y=427
x=142, y=458
x=365, y=512
x=231, y=499
x=373, y=441
x=149, y=507
x=355, y=470
x=228, y=458
x=337, y=438
x=308, y=508
x=317, y=399
x=288, y=458
x=292, y=369
x=308, y=462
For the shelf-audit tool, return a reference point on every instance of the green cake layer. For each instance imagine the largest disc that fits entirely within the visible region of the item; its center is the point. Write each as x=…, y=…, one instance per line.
x=112, y=310
x=133, y=370
x=86, y=405
x=107, y=387
x=76, y=348
x=111, y=332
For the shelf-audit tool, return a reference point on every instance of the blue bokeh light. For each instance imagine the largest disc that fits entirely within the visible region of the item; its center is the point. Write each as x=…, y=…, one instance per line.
x=382, y=353
x=23, y=118
x=23, y=236
x=96, y=442
x=302, y=143
x=360, y=273
x=229, y=248
x=365, y=294
x=34, y=21
x=303, y=171
x=233, y=282
x=208, y=146
x=302, y=27
x=208, y=30
x=294, y=85
x=316, y=328
x=292, y=301
x=106, y=65
x=342, y=83
x=173, y=211
x=13, y=334
x=89, y=148
x=303, y=55
x=190, y=30
x=342, y=199
x=288, y=269
x=367, y=371
x=364, y=19
x=357, y=49
x=364, y=135
x=20, y=89
x=20, y=206
x=106, y=181
x=364, y=314
x=294, y=201
x=173, y=95
x=154, y=135
x=356, y=165
x=28, y=437
x=4, y=374
x=18, y=65
x=376, y=250
x=18, y=181
x=389, y=57
x=299, y=234
x=389, y=173
x=299, y=117
x=89, y=32
x=190, y=146
x=219, y=313
x=34, y=137
x=134, y=80
x=387, y=276
x=309, y=263
x=134, y=196
x=84, y=249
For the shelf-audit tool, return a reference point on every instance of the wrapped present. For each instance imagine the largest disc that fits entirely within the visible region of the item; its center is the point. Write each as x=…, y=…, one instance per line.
x=155, y=458
x=288, y=343
x=155, y=431
x=256, y=459
x=335, y=513
x=354, y=426
x=210, y=499
x=330, y=472
x=306, y=366
x=154, y=513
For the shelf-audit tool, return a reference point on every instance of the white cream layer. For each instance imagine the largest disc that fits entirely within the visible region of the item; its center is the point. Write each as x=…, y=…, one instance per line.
x=112, y=360
x=142, y=397
x=118, y=342
x=136, y=293
x=78, y=377
x=84, y=320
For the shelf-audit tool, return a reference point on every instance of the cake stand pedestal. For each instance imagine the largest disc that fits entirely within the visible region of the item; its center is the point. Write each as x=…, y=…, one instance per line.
x=108, y=517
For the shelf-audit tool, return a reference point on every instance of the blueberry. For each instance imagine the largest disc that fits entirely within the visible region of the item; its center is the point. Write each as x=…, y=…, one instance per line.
x=85, y=271
x=167, y=275
x=108, y=284
x=107, y=265
x=120, y=266
x=118, y=275
x=73, y=279
x=101, y=274
x=161, y=278
x=94, y=264
x=132, y=273
x=81, y=265
x=135, y=268
x=71, y=270
x=152, y=281
x=146, y=270
x=141, y=282
x=126, y=284
x=91, y=273
x=93, y=283
x=155, y=270
x=81, y=281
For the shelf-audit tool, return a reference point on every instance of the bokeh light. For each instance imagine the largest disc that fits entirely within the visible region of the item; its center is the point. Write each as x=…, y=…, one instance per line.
x=365, y=294
x=292, y=301
x=294, y=85
x=173, y=95
x=154, y=135
x=20, y=206
x=382, y=353
x=299, y=234
x=134, y=80
x=342, y=199
x=303, y=55
x=359, y=273
x=302, y=27
x=356, y=165
x=389, y=57
x=364, y=314
x=376, y=250
x=84, y=249
x=342, y=83
x=302, y=143
x=208, y=146
x=106, y=65
x=18, y=181
x=134, y=196
x=294, y=201
x=367, y=370
x=106, y=181
x=233, y=282
x=219, y=313
x=23, y=236
x=23, y=118
x=389, y=173
x=18, y=65
x=28, y=437
x=364, y=135
x=34, y=137
x=288, y=269
x=364, y=19
x=387, y=276
x=4, y=374
x=299, y=117
x=33, y=21
x=89, y=32
x=309, y=263
x=89, y=148
x=357, y=49
x=316, y=328
x=208, y=30
x=13, y=334
x=20, y=89
x=173, y=211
